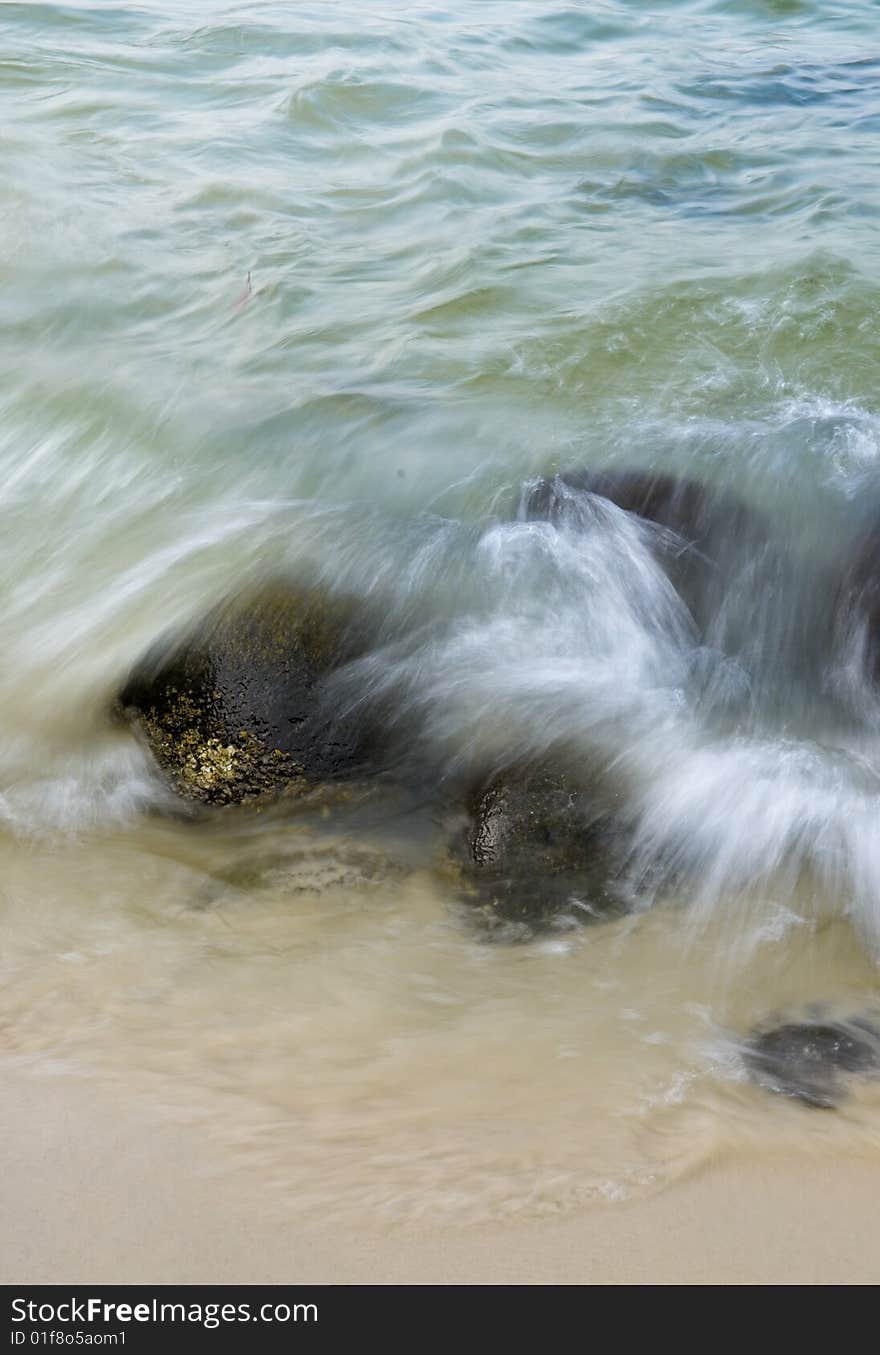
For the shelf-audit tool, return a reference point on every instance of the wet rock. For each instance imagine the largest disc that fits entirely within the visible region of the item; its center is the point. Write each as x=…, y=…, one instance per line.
x=681, y=505
x=808, y=1061
x=538, y=857
x=857, y=606
x=236, y=709
x=706, y=530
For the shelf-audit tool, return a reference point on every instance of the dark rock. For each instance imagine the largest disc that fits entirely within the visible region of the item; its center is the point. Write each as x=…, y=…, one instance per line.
x=857, y=606
x=235, y=709
x=706, y=530
x=806, y=1061
x=537, y=856
x=679, y=504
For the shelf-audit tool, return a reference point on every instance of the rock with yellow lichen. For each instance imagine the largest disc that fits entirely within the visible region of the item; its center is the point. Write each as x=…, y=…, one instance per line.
x=237, y=709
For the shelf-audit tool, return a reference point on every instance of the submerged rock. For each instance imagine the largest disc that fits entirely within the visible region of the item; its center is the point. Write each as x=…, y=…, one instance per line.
x=537, y=857
x=313, y=867
x=235, y=709
x=807, y=1061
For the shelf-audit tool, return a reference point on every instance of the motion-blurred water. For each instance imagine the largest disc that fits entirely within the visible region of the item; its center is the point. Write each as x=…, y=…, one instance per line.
x=323, y=288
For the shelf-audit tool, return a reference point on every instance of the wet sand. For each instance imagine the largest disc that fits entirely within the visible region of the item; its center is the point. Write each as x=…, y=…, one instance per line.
x=93, y=1192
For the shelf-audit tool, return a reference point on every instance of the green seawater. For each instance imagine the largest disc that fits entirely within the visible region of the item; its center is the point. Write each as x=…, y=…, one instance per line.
x=483, y=240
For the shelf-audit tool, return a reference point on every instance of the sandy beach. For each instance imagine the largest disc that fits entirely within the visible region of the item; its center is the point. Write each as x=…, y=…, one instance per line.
x=94, y=1193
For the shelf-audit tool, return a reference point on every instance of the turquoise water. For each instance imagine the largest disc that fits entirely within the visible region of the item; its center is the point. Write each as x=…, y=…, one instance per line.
x=319, y=287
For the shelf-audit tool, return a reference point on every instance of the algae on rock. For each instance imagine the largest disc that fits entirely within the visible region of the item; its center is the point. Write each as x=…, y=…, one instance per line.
x=235, y=711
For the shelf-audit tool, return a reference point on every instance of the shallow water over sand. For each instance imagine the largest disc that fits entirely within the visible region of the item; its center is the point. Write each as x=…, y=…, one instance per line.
x=320, y=292
x=327, y=1021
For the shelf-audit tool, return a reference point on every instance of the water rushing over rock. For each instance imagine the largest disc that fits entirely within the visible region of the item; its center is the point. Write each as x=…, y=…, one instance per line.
x=407, y=309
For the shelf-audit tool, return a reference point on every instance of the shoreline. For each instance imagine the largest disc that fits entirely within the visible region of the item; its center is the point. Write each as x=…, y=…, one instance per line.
x=92, y=1193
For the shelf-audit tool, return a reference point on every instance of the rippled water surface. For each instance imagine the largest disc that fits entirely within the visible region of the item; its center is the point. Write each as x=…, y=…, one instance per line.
x=319, y=289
